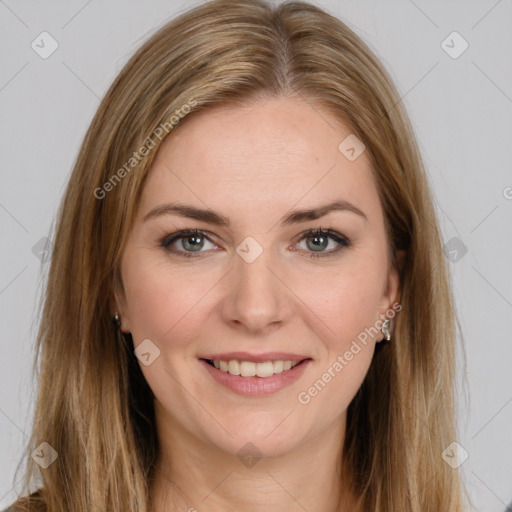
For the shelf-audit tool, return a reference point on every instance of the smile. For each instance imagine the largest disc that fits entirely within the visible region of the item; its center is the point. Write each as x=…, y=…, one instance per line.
x=255, y=378
x=251, y=369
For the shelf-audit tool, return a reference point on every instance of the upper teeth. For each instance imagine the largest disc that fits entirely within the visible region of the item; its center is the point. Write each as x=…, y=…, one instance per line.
x=250, y=369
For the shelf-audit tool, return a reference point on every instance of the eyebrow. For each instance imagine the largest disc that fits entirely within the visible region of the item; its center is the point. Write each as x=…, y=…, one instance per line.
x=211, y=217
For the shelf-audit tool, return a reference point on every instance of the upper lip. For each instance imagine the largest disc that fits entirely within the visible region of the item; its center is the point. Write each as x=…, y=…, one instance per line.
x=255, y=358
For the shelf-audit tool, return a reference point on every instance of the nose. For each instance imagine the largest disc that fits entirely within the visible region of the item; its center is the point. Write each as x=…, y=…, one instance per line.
x=257, y=299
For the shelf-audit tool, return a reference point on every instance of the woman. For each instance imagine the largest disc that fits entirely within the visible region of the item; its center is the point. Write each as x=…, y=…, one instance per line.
x=248, y=305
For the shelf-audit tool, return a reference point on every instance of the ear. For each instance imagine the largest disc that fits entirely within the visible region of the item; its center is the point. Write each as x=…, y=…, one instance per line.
x=392, y=290
x=119, y=305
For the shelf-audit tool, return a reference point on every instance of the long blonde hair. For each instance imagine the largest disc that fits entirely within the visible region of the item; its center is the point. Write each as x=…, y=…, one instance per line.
x=94, y=406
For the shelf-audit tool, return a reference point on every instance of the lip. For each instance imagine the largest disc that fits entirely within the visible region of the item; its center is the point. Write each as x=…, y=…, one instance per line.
x=256, y=386
x=255, y=358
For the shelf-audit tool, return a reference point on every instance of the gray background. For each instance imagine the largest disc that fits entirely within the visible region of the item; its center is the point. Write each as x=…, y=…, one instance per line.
x=461, y=110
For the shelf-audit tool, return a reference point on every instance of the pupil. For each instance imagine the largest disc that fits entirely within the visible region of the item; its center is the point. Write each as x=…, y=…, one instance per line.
x=196, y=244
x=319, y=237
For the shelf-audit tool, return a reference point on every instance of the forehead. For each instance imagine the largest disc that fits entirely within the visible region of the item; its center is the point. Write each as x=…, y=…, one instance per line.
x=272, y=153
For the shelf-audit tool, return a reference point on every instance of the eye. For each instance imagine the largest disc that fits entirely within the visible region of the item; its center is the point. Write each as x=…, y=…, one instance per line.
x=193, y=241
x=320, y=240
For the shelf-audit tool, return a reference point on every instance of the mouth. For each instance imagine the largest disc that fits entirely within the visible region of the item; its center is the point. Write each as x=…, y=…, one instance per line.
x=264, y=369
x=255, y=378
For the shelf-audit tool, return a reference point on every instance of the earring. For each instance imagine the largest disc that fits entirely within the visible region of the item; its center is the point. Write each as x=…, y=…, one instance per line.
x=117, y=319
x=386, y=329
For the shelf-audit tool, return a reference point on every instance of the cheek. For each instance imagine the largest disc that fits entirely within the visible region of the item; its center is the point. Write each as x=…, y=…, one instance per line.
x=344, y=318
x=344, y=302
x=160, y=301
x=351, y=310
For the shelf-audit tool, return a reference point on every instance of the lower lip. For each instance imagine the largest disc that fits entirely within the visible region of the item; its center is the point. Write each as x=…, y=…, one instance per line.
x=256, y=386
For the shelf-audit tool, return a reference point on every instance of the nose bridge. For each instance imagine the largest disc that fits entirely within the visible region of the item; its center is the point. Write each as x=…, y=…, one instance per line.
x=256, y=297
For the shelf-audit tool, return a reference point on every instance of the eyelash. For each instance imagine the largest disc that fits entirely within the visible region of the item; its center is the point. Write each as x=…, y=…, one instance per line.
x=344, y=242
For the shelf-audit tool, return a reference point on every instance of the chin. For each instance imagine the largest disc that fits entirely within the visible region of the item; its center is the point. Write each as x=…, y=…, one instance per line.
x=266, y=435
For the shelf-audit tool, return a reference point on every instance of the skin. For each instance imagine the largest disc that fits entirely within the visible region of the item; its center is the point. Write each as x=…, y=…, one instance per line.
x=254, y=164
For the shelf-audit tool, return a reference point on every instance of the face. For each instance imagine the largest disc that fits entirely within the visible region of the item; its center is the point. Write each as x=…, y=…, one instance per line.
x=251, y=287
